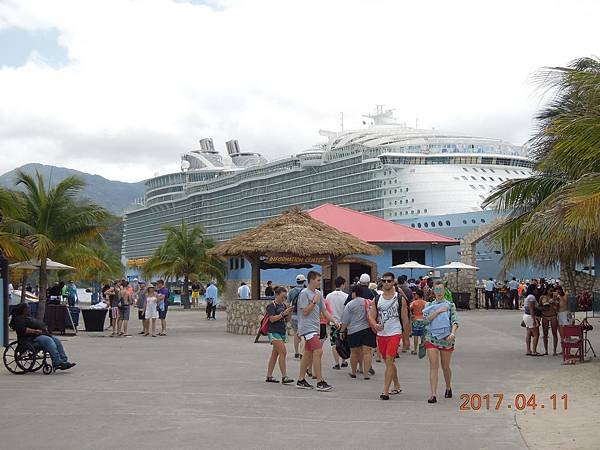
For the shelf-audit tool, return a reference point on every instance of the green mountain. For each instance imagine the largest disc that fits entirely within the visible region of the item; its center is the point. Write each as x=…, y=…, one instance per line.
x=113, y=195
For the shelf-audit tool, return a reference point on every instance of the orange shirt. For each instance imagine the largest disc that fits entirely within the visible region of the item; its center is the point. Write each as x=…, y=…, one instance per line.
x=417, y=307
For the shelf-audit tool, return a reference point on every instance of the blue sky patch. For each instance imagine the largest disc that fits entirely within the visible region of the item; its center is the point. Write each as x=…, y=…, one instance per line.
x=17, y=44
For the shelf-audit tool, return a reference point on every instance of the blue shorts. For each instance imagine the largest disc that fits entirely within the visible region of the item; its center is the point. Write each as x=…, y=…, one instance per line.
x=162, y=314
x=418, y=328
x=276, y=337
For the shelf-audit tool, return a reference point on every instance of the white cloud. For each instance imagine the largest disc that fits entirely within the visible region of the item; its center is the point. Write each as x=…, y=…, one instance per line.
x=147, y=79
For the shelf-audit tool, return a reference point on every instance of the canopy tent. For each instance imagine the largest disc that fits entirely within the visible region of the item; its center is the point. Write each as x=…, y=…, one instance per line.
x=411, y=265
x=293, y=237
x=458, y=266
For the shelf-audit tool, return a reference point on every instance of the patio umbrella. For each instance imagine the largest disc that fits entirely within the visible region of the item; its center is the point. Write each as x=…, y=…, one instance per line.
x=411, y=265
x=457, y=265
x=34, y=264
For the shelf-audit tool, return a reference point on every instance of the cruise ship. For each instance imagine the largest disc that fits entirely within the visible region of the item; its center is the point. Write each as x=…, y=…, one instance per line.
x=424, y=178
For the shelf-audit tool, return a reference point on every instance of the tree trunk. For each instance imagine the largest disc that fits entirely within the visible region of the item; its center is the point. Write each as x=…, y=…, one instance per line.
x=43, y=286
x=570, y=269
x=185, y=297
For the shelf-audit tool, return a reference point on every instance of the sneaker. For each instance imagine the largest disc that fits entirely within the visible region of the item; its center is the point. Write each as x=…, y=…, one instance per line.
x=344, y=364
x=323, y=386
x=371, y=371
x=336, y=367
x=303, y=384
x=65, y=366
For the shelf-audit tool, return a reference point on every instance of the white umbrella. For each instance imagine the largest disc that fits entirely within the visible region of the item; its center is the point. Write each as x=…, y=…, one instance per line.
x=457, y=265
x=34, y=264
x=411, y=265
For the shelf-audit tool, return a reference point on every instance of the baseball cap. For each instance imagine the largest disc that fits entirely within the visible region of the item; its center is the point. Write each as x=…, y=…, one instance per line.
x=141, y=282
x=300, y=278
x=364, y=278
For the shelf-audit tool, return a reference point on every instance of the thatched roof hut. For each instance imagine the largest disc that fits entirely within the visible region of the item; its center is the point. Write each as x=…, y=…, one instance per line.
x=294, y=234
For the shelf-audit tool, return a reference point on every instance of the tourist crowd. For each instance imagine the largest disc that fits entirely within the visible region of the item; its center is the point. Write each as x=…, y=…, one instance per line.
x=373, y=320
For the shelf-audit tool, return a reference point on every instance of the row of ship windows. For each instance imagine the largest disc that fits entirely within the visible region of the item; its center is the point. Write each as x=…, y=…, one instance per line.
x=475, y=169
x=441, y=224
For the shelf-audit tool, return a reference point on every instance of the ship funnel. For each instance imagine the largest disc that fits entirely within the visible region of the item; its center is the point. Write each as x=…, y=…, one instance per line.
x=233, y=147
x=207, y=145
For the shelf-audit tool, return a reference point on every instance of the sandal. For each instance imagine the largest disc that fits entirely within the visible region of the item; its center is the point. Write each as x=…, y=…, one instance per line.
x=286, y=380
x=395, y=391
x=153, y=335
x=384, y=397
x=367, y=378
x=432, y=399
x=146, y=334
x=448, y=393
x=271, y=380
x=413, y=353
x=351, y=375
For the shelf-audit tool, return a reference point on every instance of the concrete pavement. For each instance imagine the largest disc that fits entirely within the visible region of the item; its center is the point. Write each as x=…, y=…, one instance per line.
x=200, y=387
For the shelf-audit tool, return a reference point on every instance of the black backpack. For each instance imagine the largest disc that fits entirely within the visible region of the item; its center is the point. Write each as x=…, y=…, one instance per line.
x=294, y=298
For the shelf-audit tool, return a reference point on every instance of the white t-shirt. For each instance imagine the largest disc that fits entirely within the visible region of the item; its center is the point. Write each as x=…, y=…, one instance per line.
x=389, y=316
x=336, y=301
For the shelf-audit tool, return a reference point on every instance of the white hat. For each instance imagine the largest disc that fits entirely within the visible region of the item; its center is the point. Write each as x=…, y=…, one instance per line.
x=364, y=278
x=300, y=278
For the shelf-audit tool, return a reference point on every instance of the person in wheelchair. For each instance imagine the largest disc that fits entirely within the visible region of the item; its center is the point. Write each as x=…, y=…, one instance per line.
x=35, y=331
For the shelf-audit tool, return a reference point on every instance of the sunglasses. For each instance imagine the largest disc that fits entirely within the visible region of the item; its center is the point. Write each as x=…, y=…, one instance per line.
x=387, y=281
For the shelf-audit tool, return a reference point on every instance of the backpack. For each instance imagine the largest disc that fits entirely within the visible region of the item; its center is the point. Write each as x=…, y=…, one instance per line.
x=264, y=324
x=294, y=298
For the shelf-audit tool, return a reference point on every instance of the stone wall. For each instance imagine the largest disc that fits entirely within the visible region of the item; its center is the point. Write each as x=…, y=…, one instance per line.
x=244, y=316
x=583, y=281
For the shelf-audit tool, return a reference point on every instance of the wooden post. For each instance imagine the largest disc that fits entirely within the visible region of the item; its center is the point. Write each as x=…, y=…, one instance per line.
x=334, y=271
x=255, y=261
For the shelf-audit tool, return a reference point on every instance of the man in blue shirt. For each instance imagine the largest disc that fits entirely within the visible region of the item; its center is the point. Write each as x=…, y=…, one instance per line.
x=212, y=300
x=513, y=286
x=489, y=294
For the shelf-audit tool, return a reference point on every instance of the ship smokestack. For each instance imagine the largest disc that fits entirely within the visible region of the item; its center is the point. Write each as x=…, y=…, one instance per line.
x=233, y=147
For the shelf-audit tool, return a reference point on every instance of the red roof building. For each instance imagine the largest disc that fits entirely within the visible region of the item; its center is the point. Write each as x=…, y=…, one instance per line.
x=374, y=229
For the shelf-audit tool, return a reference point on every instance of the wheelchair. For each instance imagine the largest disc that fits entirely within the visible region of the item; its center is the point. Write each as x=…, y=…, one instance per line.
x=25, y=357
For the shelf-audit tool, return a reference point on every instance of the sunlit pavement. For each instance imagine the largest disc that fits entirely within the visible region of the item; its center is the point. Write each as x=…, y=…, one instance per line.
x=200, y=387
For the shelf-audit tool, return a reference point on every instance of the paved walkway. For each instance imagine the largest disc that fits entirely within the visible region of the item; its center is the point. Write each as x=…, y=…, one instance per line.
x=200, y=387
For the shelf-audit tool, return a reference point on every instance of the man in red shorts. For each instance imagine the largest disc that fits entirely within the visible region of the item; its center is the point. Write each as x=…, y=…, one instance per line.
x=391, y=316
x=310, y=308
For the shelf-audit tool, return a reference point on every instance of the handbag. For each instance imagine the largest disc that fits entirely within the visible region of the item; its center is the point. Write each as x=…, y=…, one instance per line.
x=342, y=346
x=523, y=324
x=422, y=350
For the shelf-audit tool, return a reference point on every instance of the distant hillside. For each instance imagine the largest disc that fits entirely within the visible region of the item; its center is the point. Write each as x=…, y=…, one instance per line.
x=113, y=195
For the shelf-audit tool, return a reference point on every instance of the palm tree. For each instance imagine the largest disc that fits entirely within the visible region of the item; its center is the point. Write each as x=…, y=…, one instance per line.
x=554, y=215
x=184, y=255
x=107, y=268
x=51, y=221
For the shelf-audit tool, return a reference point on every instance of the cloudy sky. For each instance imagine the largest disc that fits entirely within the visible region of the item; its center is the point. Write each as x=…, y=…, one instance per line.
x=122, y=88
